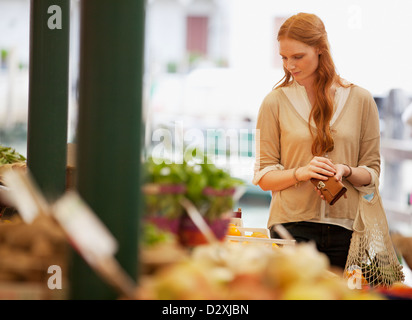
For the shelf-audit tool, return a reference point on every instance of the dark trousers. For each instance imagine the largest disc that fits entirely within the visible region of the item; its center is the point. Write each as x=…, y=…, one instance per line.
x=332, y=240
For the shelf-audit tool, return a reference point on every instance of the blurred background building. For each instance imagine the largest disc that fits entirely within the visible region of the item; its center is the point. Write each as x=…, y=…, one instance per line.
x=209, y=64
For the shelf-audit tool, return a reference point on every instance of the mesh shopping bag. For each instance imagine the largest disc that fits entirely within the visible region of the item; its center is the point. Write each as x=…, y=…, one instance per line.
x=372, y=259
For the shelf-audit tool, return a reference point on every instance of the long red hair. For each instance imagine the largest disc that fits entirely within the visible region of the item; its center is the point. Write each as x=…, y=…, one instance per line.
x=309, y=29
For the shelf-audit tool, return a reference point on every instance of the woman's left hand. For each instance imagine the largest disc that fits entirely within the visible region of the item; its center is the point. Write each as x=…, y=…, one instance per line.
x=341, y=171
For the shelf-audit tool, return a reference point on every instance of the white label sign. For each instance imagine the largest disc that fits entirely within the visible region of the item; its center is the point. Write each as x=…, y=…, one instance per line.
x=88, y=234
x=24, y=195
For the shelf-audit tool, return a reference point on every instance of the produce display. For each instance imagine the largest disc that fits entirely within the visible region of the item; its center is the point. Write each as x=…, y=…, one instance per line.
x=26, y=253
x=245, y=264
x=237, y=272
x=177, y=260
x=9, y=155
x=250, y=265
x=9, y=160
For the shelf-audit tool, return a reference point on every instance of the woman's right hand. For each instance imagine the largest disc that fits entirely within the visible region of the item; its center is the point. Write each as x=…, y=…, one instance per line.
x=318, y=168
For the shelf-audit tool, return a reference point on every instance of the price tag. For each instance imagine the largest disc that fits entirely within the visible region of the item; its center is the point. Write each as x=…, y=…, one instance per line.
x=86, y=231
x=24, y=195
x=90, y=237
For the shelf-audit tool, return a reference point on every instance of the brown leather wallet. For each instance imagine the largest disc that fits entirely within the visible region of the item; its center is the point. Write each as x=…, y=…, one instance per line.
x=331, y=189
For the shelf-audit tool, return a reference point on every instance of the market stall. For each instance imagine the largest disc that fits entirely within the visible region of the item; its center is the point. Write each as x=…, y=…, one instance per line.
x=188, y=251
x=244, y=264
x=184, y=243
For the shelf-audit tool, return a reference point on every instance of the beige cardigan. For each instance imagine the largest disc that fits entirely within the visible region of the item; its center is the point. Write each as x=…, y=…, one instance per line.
x=283, y=141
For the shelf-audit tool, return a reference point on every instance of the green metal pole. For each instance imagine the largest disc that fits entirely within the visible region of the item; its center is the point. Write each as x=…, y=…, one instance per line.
x=110, y=132
x=48, y=94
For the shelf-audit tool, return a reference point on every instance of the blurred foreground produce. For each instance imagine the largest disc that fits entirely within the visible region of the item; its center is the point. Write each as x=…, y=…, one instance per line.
x=27, y=251
x=158, y=248
x=398, y=291
x=234, y=271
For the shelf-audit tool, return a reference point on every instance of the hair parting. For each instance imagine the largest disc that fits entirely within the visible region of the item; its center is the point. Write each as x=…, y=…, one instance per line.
x=309, y=29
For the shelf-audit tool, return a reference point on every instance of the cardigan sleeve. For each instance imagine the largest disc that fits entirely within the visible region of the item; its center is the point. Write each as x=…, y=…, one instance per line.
x=369, y=148
x=267, y=138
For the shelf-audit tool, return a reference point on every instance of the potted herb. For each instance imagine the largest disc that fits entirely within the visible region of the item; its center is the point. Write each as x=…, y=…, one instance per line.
x=164, y=187
x=209, y=188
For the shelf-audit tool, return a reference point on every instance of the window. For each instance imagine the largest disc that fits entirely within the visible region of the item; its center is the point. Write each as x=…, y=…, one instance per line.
x=197, y=34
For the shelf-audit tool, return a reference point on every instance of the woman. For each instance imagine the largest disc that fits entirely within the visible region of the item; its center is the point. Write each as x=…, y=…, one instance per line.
x=315, y=124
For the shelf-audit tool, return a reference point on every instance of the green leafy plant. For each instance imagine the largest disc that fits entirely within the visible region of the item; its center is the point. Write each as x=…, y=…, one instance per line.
x=9, y=155
x=208, y=187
